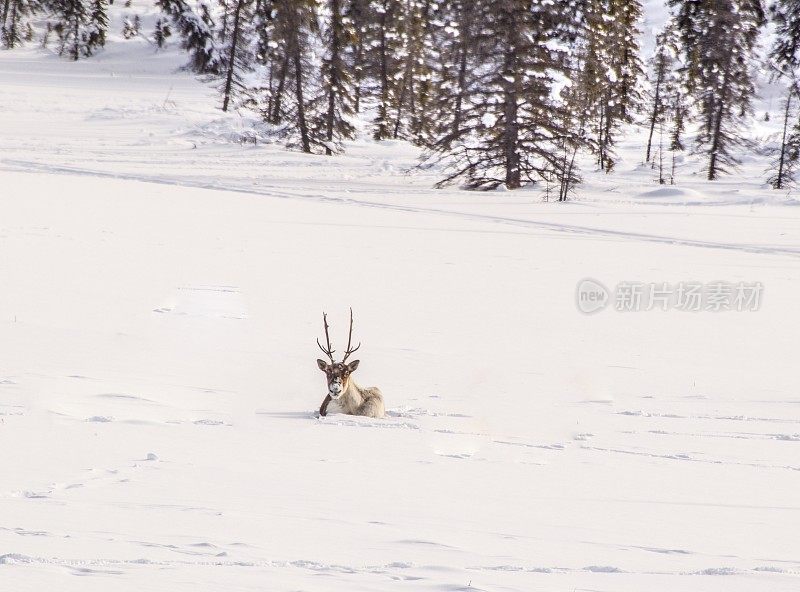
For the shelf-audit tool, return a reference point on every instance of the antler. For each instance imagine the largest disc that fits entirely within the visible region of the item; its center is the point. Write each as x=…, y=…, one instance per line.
x=349, y=337
x=330, y=350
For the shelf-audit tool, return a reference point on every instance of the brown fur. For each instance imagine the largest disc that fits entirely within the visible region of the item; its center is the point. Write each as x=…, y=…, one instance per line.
x=354, y=399
x=357, y=400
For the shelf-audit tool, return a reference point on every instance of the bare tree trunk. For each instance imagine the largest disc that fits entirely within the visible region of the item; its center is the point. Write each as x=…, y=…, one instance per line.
x=462, y=83
x=654, y=115
x=661, y=180
x=336, y=34
x=464, y=40
x=781, y=162
x=712, y=164
x=383, y=110
x=672, y=172
x=719, y=113
x=76, y=46
x=301, y=107
x=276, y=107
x=566, y=179
x=232, y=54
x=511, y=130
x=600, y=142
x=402, y=98
x=607, y=133
x=270, y=82
x=358, y=62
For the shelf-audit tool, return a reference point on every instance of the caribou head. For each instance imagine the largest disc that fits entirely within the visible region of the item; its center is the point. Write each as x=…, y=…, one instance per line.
x=337, y=373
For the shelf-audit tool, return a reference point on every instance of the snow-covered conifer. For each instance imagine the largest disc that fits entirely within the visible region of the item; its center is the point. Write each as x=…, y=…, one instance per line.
x=197, y=34
x=785, y=51
x=81, y=25
x=513, y=122
x=785, y=57
x=131, y=26
x=387, y=50
x=718, y=39
x=787, y=161
x=338, y=93
x=294, y=23
x=13, y=26
x=662, y=83
x=161, y=33
x=611, y=68
x=236, y=55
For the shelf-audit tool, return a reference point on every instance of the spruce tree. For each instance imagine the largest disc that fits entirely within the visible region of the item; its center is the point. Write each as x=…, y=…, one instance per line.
x=662, y=84
x=785, y=57
x=131, y=27
x=718, y=39
x=388, y=30
x=513, y=126
x=411, y=116
x=361, y=16
x=197, y=34
x=609, y=32
x=421, y=91
x=4, y=15
x=454, y=34
x=565, y=175
x=13, y=28
x=262, y=27
x=236, y=56
x=786, y=163
x=626, y=15
x=98, y=25
x=333, y=123
x=292, y=101
x=279, y=65
x=82, y=26
x=785, y=52
x=161, y=33
x=678, y=109
x=226, y=7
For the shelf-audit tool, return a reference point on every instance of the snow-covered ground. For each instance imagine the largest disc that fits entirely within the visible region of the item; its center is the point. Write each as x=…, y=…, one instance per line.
x=162, y=290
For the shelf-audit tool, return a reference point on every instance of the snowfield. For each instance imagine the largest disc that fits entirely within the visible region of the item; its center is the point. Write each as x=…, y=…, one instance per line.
x=163, y=279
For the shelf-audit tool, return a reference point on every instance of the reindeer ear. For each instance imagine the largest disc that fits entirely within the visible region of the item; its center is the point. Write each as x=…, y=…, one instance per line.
x=353, y=365
x=323, y=365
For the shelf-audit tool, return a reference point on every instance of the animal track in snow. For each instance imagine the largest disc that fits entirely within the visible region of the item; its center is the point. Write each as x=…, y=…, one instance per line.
x=639, y=413
x=687, y=458
x=92, y=477
x=126, y=397
x=413, y=412
x=603, y=569
x=337, y=419
x=211, y=422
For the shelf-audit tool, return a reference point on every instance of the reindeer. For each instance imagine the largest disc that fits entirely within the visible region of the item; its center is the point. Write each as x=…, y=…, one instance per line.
x=342, y=389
